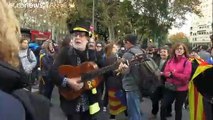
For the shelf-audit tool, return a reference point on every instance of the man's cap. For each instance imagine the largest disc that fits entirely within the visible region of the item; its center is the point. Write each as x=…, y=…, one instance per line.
x=81, y=25
x=131, y=38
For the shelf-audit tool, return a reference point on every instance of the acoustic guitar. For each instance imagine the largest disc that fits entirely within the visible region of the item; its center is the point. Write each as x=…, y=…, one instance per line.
x=89, y=73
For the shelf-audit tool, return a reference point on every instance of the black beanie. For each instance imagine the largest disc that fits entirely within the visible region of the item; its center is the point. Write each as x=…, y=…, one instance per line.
x=131, y=38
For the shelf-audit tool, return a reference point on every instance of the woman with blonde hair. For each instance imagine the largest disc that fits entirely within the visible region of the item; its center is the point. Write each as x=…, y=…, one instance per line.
x=46, y=61
x=10, y=79
x=177, y=72
x=15, y=104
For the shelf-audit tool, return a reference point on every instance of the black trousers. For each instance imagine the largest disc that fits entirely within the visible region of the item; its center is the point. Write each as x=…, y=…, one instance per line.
x=208, y=108
x=168, y=98
x=156, y=98
x=46, y=88
x=80, y=116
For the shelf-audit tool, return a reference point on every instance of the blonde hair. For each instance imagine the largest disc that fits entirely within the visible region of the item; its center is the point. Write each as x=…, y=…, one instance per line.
x=46, y=44
x=9, y=33
x=108, y=49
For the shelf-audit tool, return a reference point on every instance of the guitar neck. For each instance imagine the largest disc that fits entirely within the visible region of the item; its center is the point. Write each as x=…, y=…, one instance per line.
x=92, y=74
x=101, y=71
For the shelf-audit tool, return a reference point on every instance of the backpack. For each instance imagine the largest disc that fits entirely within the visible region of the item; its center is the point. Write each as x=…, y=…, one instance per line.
x=149, y=75
x=28, y=55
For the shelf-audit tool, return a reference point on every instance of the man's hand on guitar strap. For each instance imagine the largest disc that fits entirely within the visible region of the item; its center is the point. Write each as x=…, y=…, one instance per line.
x=75, y=83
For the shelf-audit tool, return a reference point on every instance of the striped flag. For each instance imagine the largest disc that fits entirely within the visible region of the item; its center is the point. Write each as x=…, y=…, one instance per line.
x=196, y=108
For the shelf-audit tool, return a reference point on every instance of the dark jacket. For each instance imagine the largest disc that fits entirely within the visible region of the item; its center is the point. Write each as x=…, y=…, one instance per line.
x=70, y=56
x=157, y=61
x=101, y=58
x=113, y=80
x=11, y=82
x=46, y=62
x=203, y=81
x=10, y=78
x=11, y=108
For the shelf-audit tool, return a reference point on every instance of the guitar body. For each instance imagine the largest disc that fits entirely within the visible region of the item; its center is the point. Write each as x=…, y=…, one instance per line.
x=77, y=71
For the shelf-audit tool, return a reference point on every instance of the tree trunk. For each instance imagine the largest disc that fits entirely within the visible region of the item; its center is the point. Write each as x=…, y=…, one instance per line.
x=111, y=31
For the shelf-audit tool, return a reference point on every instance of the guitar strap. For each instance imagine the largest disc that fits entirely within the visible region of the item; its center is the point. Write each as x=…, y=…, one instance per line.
x=91, y=95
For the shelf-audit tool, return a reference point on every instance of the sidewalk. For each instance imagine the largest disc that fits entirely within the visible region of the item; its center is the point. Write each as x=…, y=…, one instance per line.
x=146, y=107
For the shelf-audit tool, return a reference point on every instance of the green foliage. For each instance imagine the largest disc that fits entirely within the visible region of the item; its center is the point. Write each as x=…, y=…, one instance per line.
x=146, y=18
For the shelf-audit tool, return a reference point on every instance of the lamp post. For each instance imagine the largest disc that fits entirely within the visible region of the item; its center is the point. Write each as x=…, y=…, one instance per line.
x=211, y=36
x=212, y=16
x=93, y=17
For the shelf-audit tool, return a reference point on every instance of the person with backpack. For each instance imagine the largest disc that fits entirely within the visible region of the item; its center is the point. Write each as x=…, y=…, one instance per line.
x=28, y=60
x=130, y=80
x=46, y=61
x=177, y=73
x=27, y=57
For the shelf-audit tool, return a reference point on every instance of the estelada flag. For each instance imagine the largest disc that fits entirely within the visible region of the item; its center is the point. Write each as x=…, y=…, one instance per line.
x=196, y=109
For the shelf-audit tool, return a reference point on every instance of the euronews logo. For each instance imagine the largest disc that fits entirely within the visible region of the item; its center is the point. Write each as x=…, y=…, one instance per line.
x=31, y=5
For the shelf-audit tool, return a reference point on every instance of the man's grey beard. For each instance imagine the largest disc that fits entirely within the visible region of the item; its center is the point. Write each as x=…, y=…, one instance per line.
x=79, y=47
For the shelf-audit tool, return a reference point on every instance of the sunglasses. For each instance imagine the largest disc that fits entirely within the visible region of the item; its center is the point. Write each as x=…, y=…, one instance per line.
x=80, y=34
x=91, y=46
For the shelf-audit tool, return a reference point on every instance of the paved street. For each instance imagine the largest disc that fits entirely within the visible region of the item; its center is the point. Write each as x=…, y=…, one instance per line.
x=146, y=106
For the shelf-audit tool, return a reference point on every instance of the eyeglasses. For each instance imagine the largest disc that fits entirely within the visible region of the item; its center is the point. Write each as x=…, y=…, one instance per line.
x=98, y=45
x=180, y=48
x=80, y=34
x=91, y=46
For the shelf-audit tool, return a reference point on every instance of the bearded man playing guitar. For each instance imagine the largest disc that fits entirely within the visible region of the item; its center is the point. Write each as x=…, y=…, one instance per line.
x=85, y=105
x=77, y=77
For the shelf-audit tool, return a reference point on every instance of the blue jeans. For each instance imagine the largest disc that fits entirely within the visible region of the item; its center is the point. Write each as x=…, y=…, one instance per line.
x=133, y=105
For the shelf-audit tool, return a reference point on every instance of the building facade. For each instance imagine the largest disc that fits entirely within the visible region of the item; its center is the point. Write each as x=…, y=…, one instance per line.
x=201, y=28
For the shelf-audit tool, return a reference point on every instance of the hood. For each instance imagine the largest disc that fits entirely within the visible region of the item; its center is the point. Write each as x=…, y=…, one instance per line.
x=10, y=78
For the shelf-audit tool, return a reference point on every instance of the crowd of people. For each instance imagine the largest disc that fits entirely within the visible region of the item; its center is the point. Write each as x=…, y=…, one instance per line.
x=83, y=91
